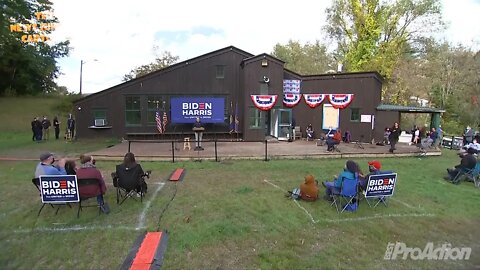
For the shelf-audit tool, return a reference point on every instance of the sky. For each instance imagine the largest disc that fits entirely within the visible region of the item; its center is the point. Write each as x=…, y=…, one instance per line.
x=111, y=37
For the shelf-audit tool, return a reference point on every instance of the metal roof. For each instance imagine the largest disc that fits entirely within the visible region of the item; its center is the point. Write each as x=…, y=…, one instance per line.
x=399, y=108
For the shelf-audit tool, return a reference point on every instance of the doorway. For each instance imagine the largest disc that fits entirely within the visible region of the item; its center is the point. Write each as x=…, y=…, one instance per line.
x=284, y=124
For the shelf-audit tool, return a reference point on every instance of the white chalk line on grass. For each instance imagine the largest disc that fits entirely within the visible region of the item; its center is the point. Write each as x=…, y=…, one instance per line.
x=77, y=228
x=357, y=218
x=141, y=217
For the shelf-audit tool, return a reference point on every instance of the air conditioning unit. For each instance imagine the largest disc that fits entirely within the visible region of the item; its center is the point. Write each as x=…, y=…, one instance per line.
x=100, y=122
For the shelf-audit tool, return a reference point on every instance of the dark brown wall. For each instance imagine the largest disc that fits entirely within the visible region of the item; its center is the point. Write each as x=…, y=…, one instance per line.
x=253, y=72
x=197, y=77
x=384, y=119
x=366, y=88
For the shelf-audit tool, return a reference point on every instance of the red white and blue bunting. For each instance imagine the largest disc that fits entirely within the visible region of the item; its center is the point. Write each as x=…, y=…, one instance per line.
x=264, y=102
x=340, y=101
x=313, y=100
x=291, y=100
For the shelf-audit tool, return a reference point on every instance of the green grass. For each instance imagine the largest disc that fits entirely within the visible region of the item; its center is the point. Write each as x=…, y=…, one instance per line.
x=225, y=216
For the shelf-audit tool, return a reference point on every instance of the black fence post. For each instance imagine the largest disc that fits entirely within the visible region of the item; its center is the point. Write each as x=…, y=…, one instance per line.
x=173, y=151
x=129, y=146
x=216, y=157
x=453, y=141
x=266, y=151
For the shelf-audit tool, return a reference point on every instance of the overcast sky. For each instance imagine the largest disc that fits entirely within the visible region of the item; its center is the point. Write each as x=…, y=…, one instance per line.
x=120, y=35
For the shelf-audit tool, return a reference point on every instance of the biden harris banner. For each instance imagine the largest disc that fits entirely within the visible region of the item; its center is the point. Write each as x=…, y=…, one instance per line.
x=187, y=109
x=381, y=185
x=59, y=188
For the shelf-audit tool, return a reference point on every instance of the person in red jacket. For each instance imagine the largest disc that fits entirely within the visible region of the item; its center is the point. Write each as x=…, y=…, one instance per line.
x=337, y=137
x=88, y=170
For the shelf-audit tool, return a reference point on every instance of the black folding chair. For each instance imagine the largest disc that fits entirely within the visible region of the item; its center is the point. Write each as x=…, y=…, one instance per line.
x=88, y=188
x=36, y=182
x=130, y=186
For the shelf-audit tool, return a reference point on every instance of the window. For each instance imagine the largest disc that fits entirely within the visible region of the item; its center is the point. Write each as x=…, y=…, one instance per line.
x=220, y=72
x=133, y=115
x=255, y=117
x=355, y=115
x=99, y=117
x=152, y=103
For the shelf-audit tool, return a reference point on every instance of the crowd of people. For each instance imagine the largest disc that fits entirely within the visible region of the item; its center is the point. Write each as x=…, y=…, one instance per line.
x=41, y=128
x=127, y=173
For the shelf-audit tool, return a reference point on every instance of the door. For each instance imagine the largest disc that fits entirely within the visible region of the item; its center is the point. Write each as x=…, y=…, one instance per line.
x=284, y=124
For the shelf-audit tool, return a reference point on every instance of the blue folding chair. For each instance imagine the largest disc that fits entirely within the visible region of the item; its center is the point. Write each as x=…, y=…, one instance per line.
x=348, y=196
x=469, y=174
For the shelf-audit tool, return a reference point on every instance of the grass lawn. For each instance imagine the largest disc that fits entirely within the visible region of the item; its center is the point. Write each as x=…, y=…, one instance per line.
x=226, y=216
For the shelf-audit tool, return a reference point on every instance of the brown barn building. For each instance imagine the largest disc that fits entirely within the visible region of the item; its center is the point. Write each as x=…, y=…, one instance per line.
x=230, y=76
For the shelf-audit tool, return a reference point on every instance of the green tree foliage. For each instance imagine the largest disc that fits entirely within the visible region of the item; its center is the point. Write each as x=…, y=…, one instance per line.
x=164, y=60
x=374, y=34
x=304, y=59
x=27, y=68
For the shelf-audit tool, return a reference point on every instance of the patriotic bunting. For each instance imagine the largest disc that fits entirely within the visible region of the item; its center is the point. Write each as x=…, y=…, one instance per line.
x=291, y=100
x=264, y=102
x=313, y=100
x=340, y=101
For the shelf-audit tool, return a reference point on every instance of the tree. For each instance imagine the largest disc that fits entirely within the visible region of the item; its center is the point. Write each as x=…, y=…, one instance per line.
x=166, y=59
x=28, y=67
x=374, y=34
x=304, y=59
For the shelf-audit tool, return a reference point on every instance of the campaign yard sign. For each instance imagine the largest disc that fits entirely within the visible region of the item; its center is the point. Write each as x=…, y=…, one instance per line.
x=59, y=188
x=187, y=109
x=381, y=185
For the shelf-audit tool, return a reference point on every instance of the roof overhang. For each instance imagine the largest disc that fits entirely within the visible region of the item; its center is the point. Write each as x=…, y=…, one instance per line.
x=408, y=109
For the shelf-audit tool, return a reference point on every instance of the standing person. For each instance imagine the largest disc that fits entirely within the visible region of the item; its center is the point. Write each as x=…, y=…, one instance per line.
x=38, y=130
x=198, y=129
x=414, y=129
x=34, y=135
x=468, y=135
x=71, y=126
x=46, y=128
x=310, y=132
x=394, y=135
x=88, y=170
x=56, y=125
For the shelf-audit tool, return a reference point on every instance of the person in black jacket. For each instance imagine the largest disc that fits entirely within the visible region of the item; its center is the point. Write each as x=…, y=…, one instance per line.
x=33, y=129
x=468, y=162
x=131, y=175
x=394, y=135
x=56, y=125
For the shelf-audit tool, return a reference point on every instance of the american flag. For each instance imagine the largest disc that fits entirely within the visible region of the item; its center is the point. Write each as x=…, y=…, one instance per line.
x=159, y=121
x=165, y=121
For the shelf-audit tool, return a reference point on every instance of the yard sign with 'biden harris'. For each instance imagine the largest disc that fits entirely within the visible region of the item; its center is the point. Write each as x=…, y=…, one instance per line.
x=381, y=185
x=59, y=188
x=187, y=109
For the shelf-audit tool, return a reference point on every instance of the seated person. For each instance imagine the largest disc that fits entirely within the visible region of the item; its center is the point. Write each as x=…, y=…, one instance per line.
x=310, y=132
x=474, y=145
x=432, y=137
x=71, y=167
x=130, y=175
x=89, y=170
x=309, y=189
x=334, y=187
x=337, y=137
x=468, y=162
x=348, y=137
x=386, y=136
x=374, y=167
x=46, y=167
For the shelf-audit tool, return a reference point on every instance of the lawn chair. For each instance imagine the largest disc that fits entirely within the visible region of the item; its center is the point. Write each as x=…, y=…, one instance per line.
x=129, y=184
x=468, y=174
x=88, y=188
x=348, y=196
x=36, y=182
x=374, y=195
